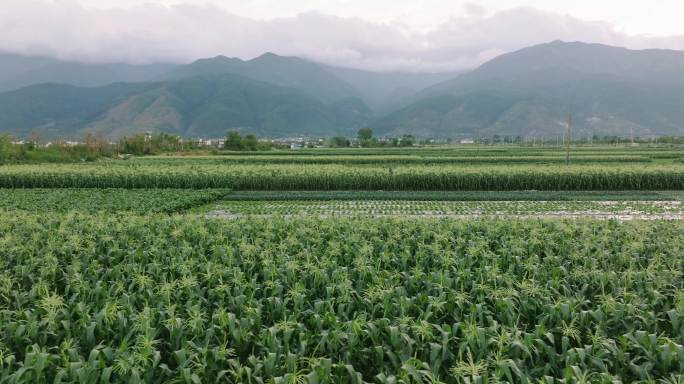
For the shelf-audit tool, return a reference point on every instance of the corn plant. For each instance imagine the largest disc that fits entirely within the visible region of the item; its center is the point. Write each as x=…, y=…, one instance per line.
x=402, y=177
x=159, y=298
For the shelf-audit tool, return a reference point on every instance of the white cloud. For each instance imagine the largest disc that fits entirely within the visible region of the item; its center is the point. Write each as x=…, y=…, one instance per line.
x=140, y=33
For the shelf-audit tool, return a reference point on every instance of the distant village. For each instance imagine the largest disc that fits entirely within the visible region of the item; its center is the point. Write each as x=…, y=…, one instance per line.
x=287, y=142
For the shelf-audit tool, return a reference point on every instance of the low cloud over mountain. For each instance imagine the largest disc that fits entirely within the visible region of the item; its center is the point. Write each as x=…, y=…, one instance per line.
x=183, y=32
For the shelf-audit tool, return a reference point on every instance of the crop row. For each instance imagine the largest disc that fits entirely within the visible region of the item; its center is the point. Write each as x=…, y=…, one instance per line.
x=160, y=298
x=459, y=195
x=471, y=151
x=446, y=208
x=106, y=200
x=419, y=159
x=346, y=177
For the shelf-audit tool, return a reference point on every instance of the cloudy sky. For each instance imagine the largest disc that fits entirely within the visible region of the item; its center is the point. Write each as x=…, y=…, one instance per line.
x=405, y=35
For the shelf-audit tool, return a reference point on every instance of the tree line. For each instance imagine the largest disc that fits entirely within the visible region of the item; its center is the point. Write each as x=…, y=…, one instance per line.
x=91, y=147
x=365, y=139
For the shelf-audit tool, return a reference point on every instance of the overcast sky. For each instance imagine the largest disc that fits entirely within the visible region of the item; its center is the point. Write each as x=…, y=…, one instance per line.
x=408, y=35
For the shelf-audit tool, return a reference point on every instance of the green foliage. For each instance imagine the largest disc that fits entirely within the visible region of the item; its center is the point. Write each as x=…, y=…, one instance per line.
x=6, y=149
x=106, y=200
x=148, y=144
x=407, y=140
x=158, y=173
x=339, y=142
x=365, y=134
x=155, y=299
x=505, y=152
x=233, y=141
x=417, y=159
x=57, y=153
x=250, y=143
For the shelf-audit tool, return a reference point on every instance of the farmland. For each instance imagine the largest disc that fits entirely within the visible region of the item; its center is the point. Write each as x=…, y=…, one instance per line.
x=198, y=175
x=106, y=200
x=426, y=265
x=339, y=300
x=606, y=169
x=626, y=209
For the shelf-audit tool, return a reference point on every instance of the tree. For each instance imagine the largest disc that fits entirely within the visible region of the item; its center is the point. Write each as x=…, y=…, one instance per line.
x=339, y=141
x=5, y=148
x=366, y=139
x=407, y=140
x=250, y=143
x=365, y=134
x=134, y=145
x=233, y=141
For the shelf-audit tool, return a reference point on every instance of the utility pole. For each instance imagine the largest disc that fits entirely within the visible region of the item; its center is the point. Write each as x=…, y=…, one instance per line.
x=568, y=139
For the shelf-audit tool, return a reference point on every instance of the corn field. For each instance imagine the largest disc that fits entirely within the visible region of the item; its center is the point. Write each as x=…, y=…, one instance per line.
x=94, y=298
x=106, y=200
x=467, y=151
x=277, y=177
x=411, y=159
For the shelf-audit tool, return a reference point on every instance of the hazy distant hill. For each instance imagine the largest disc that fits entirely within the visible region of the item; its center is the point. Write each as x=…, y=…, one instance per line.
x=292, y=72
x=58, y=110
x=383, y=91
x=531, y=92
x=18, y=71
x=609, y=90
x=270, y=95
x=205, y=106
x=379, y=91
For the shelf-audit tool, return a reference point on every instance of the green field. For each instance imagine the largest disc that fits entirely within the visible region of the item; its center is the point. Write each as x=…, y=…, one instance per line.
x=645, y=195
x=197, y=175
x=446, y=208
x=452, y=169
x=158, y=298
x=399, y=266
x=107, y=200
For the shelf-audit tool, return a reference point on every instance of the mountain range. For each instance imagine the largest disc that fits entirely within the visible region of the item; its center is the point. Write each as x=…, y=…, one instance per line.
x=20, y=71
x=607, y=90
x=531, y=92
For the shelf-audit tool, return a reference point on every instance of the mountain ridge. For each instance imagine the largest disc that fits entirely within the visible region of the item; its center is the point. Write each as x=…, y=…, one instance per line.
x=17, y=71
x=529, y=92
x=204, y=106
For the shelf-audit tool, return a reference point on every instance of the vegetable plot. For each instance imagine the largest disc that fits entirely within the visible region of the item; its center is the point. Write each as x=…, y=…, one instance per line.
x=376, y=208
